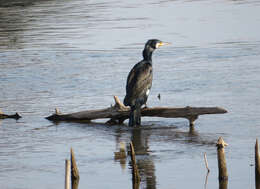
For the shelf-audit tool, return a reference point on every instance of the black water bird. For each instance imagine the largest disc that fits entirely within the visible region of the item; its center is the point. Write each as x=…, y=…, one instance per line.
x=139, y=82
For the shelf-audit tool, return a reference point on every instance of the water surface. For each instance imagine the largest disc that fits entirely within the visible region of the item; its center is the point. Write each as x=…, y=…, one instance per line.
x=75, y=55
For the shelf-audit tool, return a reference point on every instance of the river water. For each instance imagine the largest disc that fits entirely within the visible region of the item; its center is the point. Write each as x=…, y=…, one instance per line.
x=76, y=54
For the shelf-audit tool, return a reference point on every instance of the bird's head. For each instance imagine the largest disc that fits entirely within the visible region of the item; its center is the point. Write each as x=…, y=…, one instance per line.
x=150, y=46
x=153, y=44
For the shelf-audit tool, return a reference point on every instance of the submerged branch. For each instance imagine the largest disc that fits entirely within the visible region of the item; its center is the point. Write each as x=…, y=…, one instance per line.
x=5, y=116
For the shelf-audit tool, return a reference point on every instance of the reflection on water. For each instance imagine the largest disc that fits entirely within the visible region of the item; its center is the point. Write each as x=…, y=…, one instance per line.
x=140, y=138
x=223, y=184
x=145, y=163
x=76, y=54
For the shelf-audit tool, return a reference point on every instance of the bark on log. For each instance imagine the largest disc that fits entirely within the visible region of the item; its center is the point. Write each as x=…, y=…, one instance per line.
x=118, y=113
x=5, y=116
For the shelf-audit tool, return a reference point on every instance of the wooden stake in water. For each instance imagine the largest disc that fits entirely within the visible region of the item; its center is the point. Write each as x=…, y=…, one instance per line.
x=222, y=167
x=135, y=172
x=74, y=171
x=257, y=166
x=67, y=174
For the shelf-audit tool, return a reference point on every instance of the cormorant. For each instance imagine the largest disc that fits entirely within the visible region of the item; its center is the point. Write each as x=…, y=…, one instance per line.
x=139, y=82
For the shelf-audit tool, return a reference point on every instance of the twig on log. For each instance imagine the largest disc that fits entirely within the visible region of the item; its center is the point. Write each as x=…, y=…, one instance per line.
x=118, y=113
x=135, y=173
x=67, y=174
x=57, y=111
x=74, y=171
x=5, y=116
x=257, y=166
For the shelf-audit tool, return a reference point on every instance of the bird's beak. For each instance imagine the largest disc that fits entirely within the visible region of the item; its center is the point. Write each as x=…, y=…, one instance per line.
x=163, y=43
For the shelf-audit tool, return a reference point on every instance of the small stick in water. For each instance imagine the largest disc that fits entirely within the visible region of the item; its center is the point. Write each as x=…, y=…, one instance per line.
x=206, y=162
x=67, y=174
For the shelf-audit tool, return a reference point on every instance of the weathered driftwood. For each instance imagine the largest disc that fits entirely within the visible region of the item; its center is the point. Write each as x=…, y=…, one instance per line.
x=5, y=116
x=118, y=113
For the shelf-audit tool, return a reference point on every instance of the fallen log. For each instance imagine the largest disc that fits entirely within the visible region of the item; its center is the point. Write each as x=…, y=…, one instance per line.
x=119, y=112
x=5, y=116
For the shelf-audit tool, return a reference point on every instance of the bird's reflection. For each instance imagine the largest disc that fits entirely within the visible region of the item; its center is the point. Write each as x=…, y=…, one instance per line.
x=145, y=162
x=140, y=141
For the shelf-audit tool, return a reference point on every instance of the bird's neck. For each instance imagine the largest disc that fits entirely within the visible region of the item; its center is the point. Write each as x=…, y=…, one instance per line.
x=147, y=54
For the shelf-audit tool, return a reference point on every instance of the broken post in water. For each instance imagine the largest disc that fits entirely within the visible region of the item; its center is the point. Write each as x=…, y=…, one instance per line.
x=257, y=166
x=119, y=113
x=67, y=174
x=135, y=173
x=74, y=171
x=222, y=167
x=5, y=116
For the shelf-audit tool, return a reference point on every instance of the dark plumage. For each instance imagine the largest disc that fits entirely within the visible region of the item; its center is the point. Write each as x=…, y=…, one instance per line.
x=139, y=82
